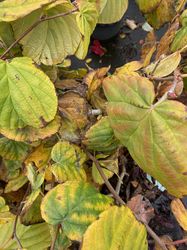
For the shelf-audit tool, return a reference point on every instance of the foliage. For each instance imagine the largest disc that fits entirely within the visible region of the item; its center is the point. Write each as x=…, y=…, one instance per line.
x=57, y=158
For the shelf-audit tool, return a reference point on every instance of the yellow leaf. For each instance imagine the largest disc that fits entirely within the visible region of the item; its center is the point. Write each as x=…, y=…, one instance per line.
x=116, y=228
x=180, y=212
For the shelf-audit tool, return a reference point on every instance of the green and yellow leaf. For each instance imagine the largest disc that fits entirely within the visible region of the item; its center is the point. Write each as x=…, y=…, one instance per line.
x=153, y=133
x=147, y=6
x=51, y=41
x=74, y=205
x=28, y=97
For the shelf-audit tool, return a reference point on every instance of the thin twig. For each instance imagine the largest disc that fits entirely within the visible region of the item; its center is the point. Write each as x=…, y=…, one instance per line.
x=177, y=242
x=14, y=233
x=168, y=78
x=55, y=238
x=155, y=237
x=34, y=25
x=120, y=201
x=120, y=180
x=109, y=186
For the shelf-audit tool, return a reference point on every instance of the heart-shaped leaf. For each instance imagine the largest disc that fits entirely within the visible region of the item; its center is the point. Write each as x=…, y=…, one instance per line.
x=155, y=134
x=74, y=205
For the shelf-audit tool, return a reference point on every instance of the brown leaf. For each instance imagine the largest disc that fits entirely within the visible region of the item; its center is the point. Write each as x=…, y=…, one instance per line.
x=75, y=108
x=148, y=48
x=164, y=44
x=142, y=208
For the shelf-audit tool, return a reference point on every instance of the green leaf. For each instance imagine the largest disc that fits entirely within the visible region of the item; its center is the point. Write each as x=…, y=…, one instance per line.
x=31, y=134
x=113, y=11
x=180, y=39
x=11, y=10
x=5, y=215
x=28, y=97
x=6, y=34
x=69, y=160
x=166, y=66
x=31, y=237
x=51, y=41
x=100, y=137
x=12, y=150
x=147, y=6
x=116, y=228
x=153, y=133
x=74, y=205
x=16, y=183
x=86, y=20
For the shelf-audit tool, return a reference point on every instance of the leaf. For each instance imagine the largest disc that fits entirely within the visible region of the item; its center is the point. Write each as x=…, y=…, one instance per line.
x=113, y=11
x=12, y=150
x=69, y=160
x=31, y=237
x=11, y=10
x=86, y=18
x=100, y=137
x=75, y=108
x=163, y=14
x=51, y=41
x=5, y=215
x=109, y=165
x=165, y=67
x=180, y=212
x=153, y=133
x=166, y=40
x=32, y=214
x=16, y=183
x=28, y=96
x=6, y=34
x=74, y=205
x=31, y=134
x=129, y=68
x=147, y=6
x=166, y=239
x=62, y=242
x=116, y=228
x=180, y=39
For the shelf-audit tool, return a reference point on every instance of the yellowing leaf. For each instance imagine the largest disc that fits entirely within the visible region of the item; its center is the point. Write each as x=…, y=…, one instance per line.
x=113, y=11
x=115, y=229
x=5, y=215
x=166, y=66
x=28, y=97
x=180, y=212
x=100, y=137
x=180, y=39
x=69, y=162
x=31, y=134
x=153, y=133
x=129, y=68
x=74, y=205
x=16, y=183
x=51, y=41
x=31, y=237
x=147, y=6
x=161, y=15
x=11, y=10
x=109, y=165
x=87, y=18
x=12, y=150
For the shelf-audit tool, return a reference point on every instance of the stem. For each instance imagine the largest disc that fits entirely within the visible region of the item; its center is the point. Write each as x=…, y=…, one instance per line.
x=109, y=186
x=120, y=180
x=34, y=25
x=120, y=201
x=55, y=237
x=177, y=242
x=168, y=78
